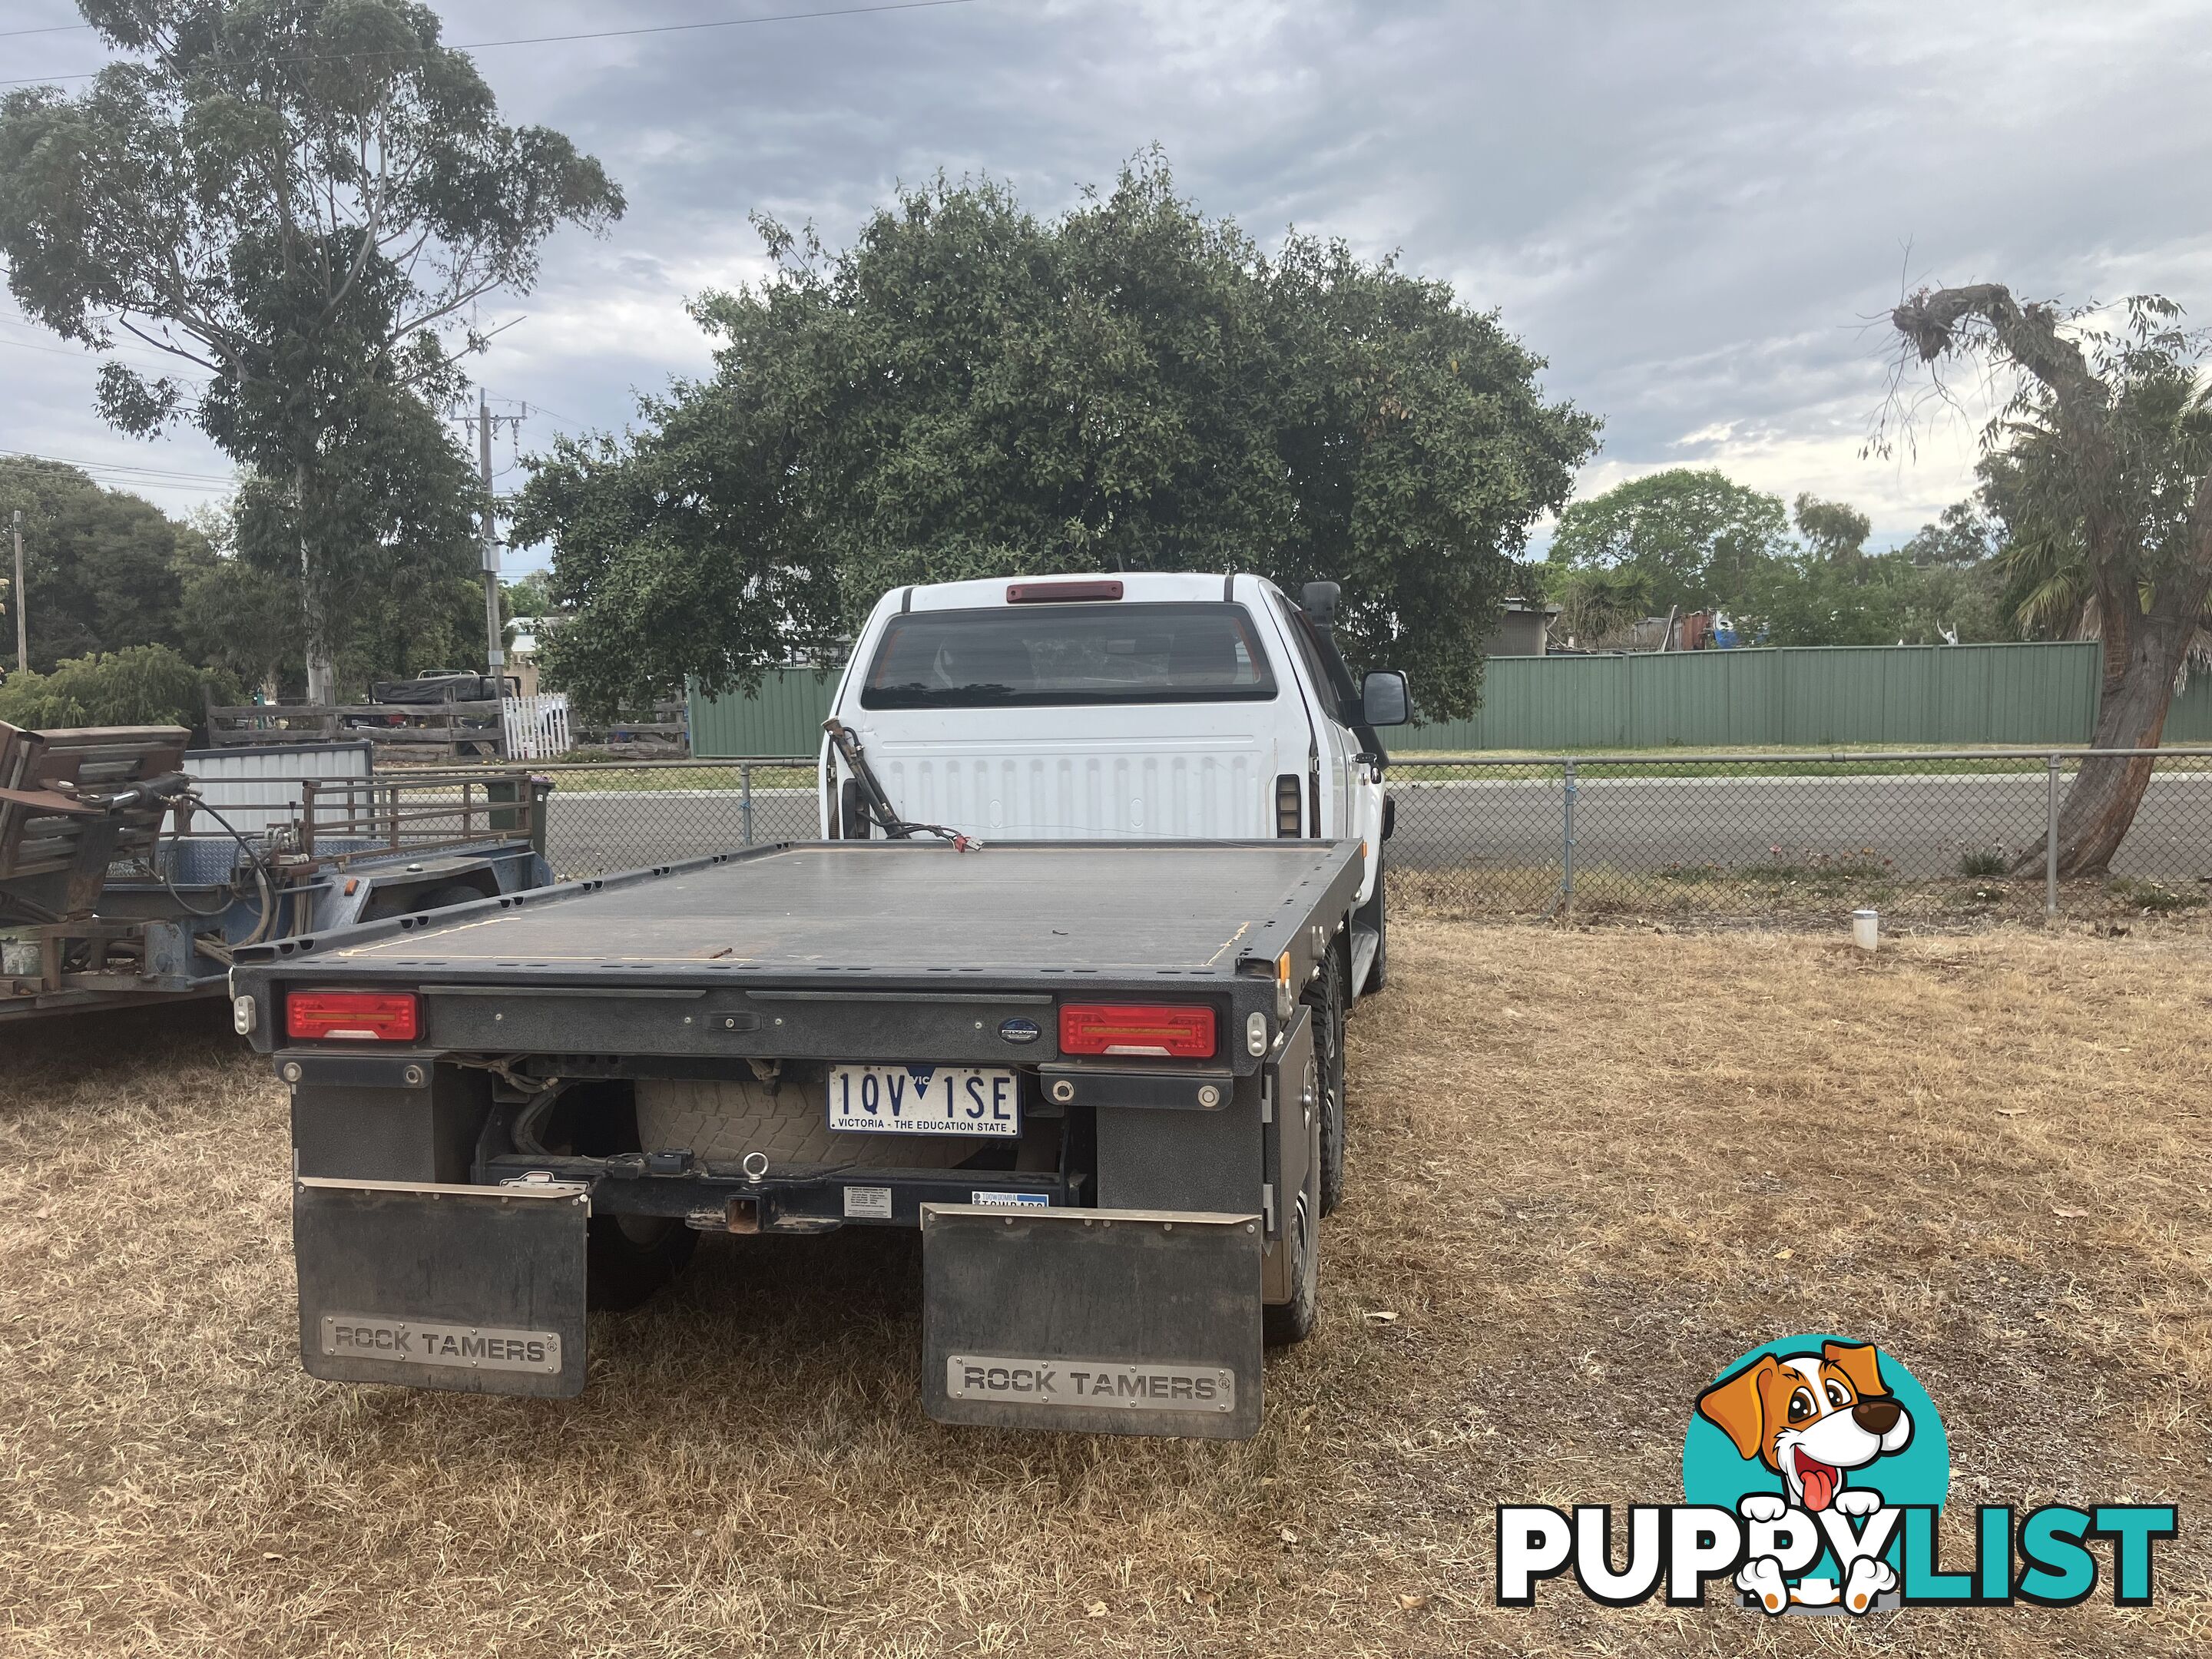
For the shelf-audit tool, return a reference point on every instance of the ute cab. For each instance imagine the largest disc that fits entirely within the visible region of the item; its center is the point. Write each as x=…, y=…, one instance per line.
x=1139, y=706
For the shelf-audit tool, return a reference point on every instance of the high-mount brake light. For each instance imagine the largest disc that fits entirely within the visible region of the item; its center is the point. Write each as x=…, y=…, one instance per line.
x=352, y=1016
x=1061, y=593
x=1181, y=1032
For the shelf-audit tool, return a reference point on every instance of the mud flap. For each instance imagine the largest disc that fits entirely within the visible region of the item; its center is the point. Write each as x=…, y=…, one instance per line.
x=1095, y=1321
x=478, y=1289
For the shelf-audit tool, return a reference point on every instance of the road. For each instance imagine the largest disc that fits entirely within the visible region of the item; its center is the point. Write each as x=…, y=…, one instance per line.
x=1922, y=822
x=591, y=832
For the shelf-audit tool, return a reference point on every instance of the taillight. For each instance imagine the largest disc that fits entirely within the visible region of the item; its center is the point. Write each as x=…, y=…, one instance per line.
x=352, y=1016
x=1110, y=1028
x=1286, y=806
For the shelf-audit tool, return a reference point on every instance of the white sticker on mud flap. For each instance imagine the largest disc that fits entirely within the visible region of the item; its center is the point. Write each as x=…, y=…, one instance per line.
x=1139, y=1385
x=426, y=1342
x=1013, y=1200
x=868, y=1203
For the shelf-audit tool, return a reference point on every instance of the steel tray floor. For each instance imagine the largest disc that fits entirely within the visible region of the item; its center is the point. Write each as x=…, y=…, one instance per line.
x=1150, y=908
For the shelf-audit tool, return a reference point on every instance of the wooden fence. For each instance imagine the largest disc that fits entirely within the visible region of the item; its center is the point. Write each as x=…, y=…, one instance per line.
x=450, y=731
x=453, y=731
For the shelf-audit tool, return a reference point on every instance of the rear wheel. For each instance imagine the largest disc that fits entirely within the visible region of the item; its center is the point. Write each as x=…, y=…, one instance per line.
x=629, y=1257
x=1327, y=998
x=852, y=811
x=1287, y=1322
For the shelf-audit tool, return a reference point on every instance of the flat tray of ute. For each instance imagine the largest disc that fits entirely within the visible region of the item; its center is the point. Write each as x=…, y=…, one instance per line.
x=882, y=908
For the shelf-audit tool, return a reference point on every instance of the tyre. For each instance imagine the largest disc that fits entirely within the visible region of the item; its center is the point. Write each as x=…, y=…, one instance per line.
x=1287, y=1322
x=629, y=1257
x=1329, y=997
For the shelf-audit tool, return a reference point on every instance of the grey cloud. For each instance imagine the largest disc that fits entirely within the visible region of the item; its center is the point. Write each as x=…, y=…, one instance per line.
x=1689, y=208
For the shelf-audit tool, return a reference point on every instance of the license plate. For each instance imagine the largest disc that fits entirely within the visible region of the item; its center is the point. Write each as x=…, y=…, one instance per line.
x=924, y=1100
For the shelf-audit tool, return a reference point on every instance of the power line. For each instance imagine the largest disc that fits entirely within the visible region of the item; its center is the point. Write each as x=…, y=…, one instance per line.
x=83, y=356
x=51, y=29
x=58, y=351
x=718, y=23
x=531, y=404
x=94, y=353
x=144, y=486
x=118, y=466
x=150, y=351
x=553, y=40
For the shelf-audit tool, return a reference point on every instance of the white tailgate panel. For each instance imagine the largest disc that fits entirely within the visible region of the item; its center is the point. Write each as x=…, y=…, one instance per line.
x=1207, y=792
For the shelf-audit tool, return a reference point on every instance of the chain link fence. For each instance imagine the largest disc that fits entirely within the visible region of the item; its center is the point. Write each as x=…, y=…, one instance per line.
x=604, y=816
x=1932, y=831
x=1942, y=833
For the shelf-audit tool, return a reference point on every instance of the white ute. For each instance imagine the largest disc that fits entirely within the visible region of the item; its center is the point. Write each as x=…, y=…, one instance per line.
x=1135, y=706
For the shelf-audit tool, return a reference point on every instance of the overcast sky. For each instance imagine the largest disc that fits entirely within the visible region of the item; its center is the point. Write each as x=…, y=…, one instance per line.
x=1693, y=210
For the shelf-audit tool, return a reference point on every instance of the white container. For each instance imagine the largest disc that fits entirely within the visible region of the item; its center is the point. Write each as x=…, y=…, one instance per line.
x=1866, y=928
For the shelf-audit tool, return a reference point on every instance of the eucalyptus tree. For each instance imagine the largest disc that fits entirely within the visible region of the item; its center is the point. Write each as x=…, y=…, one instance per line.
x=2101, y=457
x=300, y=203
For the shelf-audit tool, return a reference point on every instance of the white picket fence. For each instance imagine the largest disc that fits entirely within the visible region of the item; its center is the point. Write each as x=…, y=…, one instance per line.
x=537, y=728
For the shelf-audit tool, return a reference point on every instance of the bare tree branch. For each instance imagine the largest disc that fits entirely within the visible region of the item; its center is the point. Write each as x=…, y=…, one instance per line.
x=169, y=346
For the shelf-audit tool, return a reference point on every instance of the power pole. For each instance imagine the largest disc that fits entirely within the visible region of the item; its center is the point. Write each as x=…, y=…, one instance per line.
x=22, y=603
x=496, y=645
x=483, y=420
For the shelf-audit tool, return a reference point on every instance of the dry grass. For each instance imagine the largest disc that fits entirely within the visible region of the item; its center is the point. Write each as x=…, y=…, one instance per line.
x=1578, y=1158
x=1818, y=895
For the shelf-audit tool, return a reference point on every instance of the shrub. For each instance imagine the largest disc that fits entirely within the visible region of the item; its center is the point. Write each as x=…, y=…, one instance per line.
x=1983, y=861
x=140, y=685
x=2149, y=895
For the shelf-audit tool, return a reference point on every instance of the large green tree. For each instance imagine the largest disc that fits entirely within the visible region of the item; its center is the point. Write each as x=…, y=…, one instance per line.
x=104, y=569
x=1829, y=590
x=242, y=618
x=2106, y=487
x=1695, y=536
x=302, y=199
x=969, y=389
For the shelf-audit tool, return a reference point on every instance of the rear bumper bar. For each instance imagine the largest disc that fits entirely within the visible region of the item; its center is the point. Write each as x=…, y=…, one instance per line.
x=793, y=1203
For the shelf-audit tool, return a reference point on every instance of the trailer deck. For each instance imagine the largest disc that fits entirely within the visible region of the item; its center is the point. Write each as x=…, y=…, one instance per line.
x=1087, y=1071
x=888, y=910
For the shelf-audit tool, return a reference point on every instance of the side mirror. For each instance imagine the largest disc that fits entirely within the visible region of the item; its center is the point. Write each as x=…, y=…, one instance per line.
x=1385, y=699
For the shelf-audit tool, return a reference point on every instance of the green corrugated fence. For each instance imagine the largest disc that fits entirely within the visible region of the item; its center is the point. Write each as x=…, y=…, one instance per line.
x=1815, y=696
x=784, y=717
x=1812, y=697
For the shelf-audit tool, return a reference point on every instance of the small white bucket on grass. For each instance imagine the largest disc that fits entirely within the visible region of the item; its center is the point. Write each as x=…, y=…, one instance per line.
x=1866, y=929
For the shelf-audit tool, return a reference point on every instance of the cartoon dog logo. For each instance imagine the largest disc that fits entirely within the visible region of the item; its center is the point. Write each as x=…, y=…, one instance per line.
x=1813, y=1418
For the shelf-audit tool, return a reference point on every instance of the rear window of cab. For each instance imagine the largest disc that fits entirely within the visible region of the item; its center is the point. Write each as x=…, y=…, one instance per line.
x=1056, y=655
